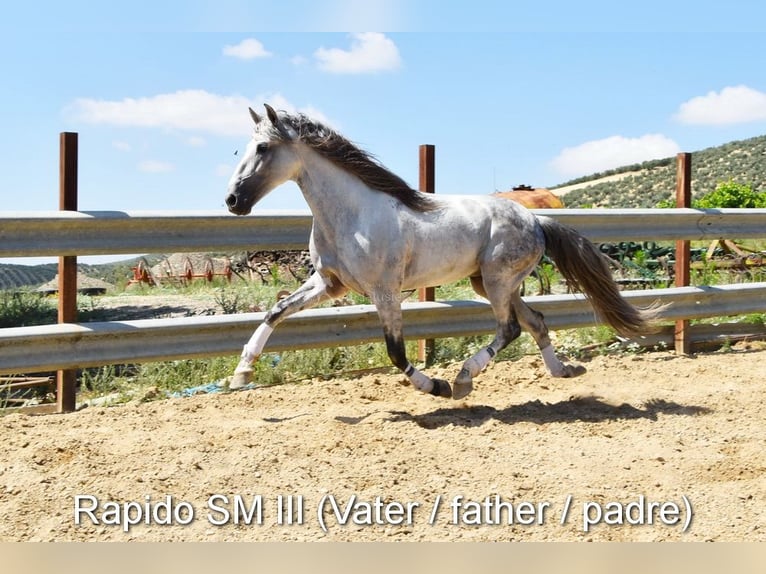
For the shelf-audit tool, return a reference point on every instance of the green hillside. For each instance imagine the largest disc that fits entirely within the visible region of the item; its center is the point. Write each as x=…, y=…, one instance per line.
x=646, y=184
x=14, y=276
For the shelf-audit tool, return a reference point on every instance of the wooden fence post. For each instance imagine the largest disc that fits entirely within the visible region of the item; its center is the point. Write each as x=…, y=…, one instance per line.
x=427, y=183
x=66, y=380
x=683, y=199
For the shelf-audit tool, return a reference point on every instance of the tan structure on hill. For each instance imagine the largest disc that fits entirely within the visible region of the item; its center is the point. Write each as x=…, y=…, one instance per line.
x=532, y=198
x=85, y=285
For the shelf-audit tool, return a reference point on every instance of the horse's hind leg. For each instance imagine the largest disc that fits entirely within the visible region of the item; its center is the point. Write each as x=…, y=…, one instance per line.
x=533, y=322
x=498, y=292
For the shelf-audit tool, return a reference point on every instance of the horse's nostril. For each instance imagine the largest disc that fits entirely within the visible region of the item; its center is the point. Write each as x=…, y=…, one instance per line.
x=231, y=200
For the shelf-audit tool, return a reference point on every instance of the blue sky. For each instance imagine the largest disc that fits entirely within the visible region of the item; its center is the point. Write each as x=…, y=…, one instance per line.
x=507, y=94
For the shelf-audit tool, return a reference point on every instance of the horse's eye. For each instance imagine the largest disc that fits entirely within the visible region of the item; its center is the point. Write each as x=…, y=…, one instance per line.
x=262, y=148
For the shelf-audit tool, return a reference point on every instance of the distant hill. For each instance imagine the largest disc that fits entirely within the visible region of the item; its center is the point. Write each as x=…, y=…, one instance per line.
x=646, y=184
x=14, y=276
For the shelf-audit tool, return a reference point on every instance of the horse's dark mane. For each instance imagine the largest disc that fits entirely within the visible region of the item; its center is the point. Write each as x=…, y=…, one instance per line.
x=345, y=154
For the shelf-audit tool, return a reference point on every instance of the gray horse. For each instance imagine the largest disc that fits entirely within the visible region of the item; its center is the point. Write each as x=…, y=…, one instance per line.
x=375, y=235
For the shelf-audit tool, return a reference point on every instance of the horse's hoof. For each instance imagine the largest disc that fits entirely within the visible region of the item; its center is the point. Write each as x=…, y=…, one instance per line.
x=462, y=390
x=571, y=371
x=240, y=379
x=441, y=388
x=463, y=377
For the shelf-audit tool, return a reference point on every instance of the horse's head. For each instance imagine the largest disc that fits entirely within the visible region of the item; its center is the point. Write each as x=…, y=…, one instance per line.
x=268, y=161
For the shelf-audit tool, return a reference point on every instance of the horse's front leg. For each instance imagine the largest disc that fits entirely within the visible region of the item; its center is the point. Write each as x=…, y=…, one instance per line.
x=390, y=313
x=314, y=291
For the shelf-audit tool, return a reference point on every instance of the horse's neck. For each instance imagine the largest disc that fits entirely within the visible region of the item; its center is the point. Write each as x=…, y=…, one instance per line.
x=333, y=194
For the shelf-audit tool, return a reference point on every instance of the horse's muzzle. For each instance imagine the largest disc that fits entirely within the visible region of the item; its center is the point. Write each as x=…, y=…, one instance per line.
x=236, y=205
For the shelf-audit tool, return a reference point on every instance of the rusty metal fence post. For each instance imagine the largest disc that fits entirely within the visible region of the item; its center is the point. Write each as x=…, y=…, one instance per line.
x=683, y=252
x=66, y=380
x=427, y=184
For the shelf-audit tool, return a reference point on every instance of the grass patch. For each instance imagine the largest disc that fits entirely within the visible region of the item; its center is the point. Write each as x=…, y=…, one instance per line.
x=26, y=308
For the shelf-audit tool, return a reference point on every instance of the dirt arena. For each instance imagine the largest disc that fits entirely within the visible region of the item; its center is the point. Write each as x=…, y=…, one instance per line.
x=642, y=447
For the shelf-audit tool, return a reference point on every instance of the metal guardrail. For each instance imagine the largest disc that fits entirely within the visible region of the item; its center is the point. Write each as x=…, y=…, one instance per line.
x=65, y=346
x=68, y=346
x=609, y=225
x=54, y=233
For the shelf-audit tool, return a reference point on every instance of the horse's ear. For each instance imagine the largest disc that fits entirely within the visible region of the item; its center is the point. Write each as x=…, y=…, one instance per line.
x=272, y=115
x=256, y=117
x=288, y=134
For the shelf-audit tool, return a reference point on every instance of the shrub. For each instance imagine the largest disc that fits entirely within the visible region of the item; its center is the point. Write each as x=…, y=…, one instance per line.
x=731, y=194
x=24, y=308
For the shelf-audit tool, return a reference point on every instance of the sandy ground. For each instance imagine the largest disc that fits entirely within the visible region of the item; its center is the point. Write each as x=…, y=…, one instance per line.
x=642, y=447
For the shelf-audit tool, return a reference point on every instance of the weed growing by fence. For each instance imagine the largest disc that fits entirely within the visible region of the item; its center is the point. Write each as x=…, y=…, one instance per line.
x=25, y=308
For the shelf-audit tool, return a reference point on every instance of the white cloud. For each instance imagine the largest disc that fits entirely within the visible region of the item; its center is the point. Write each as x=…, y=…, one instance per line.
x=122, y=146
x=370, y=52
x=248, y=49
x=279, y=102
x=609, y=153
x=154, y=166
x=196, y=110
x=732, y=105
x=195, y=141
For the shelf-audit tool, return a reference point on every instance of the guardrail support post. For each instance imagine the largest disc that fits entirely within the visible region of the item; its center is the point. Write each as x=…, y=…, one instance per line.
x=683, y=199
x=427, y=184
x=66, y=380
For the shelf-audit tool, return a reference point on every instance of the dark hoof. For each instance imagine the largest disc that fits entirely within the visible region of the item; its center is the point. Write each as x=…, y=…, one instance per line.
x=463, y=377
x=462, y=390
x=571, y=371
x=441, y=388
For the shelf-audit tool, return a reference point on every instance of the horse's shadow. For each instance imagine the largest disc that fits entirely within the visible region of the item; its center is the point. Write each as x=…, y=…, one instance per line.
x=586, y=409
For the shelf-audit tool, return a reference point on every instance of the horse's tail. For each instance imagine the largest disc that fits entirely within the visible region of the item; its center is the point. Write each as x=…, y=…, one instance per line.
x=585, y=269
